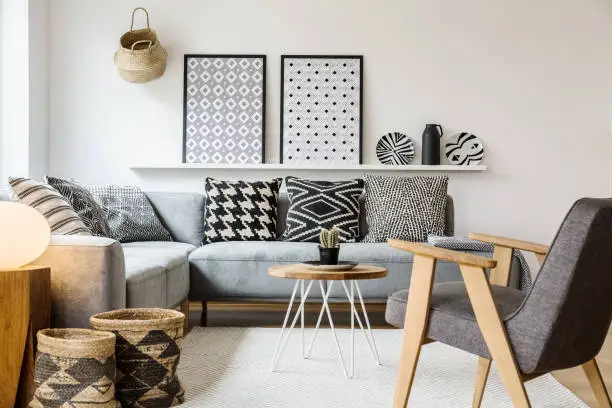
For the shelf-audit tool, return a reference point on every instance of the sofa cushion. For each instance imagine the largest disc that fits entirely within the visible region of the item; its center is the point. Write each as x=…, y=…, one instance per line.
x=83, y=203
x=240, y=269
x=408, y=208
x=156, y=273
x=62, y=219
x=240, y=210
x=274, y=251
x=129, y=214
x=322, y=204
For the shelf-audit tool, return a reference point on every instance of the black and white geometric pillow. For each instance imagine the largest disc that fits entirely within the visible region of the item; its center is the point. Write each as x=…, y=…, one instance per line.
x=83, y=203
x=322, y=204
x=408, y=208
x=129, y=214
x=62, y=219
x=395, y=148
x=240, y=210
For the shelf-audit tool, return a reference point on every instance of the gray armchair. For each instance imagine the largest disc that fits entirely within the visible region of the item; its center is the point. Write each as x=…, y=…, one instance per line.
x=562, y=322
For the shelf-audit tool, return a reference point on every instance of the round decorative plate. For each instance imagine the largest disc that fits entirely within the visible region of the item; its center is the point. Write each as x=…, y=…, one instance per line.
x=395, y=148
x=464, y=149
x=342, y=266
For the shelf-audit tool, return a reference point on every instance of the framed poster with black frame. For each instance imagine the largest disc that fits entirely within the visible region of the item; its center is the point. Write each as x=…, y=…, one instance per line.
x=321, y=109
x=224, y=109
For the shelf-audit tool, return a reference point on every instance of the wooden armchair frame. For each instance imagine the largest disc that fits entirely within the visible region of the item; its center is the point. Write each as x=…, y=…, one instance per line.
x=487, y=315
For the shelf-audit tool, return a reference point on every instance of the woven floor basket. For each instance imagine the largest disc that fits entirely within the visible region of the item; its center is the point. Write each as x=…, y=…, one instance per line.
x=140, y=58
x=75, y=368
x=147, y=352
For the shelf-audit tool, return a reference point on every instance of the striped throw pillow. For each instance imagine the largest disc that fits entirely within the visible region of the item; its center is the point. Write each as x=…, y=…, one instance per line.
x=62, y=219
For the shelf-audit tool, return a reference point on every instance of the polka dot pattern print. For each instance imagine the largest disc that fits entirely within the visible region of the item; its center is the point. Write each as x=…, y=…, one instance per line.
x=321, y=109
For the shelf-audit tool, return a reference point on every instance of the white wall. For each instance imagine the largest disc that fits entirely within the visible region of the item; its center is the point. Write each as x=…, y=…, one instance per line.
x=13, y=88
x=532, y=78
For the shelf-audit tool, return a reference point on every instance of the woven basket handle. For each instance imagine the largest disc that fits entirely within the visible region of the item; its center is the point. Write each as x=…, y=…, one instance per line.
x=142, y=42
x=134, y=14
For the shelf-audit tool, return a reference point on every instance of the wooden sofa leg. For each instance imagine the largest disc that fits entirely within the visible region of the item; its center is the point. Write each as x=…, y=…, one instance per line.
x=597, y=384
x=482, y=374
x=185, y=311
x=204, y=313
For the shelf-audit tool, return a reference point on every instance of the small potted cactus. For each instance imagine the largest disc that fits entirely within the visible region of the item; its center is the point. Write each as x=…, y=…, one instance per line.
x=329, y=248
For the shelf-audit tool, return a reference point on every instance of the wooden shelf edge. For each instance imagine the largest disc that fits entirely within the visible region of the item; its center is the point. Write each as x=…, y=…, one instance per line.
x=314, y=167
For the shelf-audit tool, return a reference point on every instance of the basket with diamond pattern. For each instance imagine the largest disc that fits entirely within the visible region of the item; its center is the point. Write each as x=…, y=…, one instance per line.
x=141, y=57
x=147, y=352
x=74, y=367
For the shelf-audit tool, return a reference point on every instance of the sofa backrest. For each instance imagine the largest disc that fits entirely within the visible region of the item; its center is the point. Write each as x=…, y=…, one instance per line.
x=181, y=213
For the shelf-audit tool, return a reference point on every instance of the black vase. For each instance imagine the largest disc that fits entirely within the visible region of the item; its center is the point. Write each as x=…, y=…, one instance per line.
x=329, y=256
x=431, y=144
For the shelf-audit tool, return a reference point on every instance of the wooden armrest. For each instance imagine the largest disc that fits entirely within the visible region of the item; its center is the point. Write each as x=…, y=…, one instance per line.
x=444, y=254
x=511, y=243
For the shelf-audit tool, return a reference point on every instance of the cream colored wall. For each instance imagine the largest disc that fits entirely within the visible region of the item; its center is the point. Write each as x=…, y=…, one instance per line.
x=533, y=79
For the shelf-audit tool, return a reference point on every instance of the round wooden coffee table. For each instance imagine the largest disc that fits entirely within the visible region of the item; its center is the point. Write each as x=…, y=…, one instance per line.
x=305, y=278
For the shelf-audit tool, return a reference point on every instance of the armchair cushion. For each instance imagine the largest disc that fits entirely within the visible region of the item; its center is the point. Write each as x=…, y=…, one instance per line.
x=451, y=317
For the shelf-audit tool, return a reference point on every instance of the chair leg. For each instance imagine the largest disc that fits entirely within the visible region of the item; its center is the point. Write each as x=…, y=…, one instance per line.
x=415, y=325
x=204, y=313
x=185, y=311
x=591, y=369
x=494, y=333
x=482, y=374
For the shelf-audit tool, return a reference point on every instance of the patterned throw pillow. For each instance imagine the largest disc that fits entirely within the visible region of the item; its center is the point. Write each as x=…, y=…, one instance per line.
x=62, y=219
x=129, y=214
x=408, y=208
x=322, y=204
x=83, y=203
x=240, y=210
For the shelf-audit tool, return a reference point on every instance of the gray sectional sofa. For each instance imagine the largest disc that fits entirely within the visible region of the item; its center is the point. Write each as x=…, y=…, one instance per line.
x=94, y=274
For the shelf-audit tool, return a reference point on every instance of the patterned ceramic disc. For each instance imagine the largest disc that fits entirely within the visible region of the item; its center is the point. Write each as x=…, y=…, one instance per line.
x=464, y=149
x=395, y=148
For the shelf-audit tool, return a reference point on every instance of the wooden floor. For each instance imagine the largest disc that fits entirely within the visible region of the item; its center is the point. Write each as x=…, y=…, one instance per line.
x=271, y=315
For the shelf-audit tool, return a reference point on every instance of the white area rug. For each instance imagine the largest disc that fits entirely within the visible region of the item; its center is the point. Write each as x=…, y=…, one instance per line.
x=230, y=367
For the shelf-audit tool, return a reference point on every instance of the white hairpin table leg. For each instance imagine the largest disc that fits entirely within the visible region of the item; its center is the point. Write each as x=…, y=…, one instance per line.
x=302, y=318
x=354, y=313
x=280, y=338
x=367, y=320
x=316, y=330
x=297, y=315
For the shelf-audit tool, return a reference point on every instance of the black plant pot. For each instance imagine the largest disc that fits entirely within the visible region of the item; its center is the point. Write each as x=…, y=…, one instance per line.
x=329, y=256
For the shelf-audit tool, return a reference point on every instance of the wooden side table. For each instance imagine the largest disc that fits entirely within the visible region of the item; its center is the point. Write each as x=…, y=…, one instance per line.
x=25, y=308
x=303, y=274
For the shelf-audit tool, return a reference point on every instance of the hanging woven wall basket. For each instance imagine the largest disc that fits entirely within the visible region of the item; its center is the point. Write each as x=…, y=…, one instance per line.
x=141, y=58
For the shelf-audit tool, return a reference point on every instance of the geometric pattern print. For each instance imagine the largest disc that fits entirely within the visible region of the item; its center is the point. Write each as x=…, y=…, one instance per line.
x=241, y=211
x=395, y=148
x=408, y=208
x=464, y=149
x=62, y=218
x=129, y=214
x=146, y=368
x=83, y=203
x=460, y=243
x=321, y=112
x=224, y=108
x=322, y=204
x=74, y=382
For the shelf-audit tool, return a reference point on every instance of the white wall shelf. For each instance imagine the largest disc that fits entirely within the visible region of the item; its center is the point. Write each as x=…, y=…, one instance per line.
x=310, y=167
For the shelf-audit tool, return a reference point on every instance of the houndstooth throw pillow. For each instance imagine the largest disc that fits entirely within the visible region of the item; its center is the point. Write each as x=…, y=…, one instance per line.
x=408, y=208
x=83, y=203
x=240, y=210
x=322, y=204
x=129, y=214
